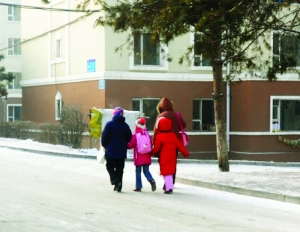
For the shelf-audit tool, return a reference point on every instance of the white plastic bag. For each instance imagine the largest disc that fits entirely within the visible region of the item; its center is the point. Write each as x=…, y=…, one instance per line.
x=101, y=156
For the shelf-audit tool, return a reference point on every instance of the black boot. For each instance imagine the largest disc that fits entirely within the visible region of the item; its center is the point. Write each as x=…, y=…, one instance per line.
x=153, y=185
x=119, y=187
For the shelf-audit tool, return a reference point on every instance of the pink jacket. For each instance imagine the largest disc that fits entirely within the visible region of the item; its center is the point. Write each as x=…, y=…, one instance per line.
x=139, y=159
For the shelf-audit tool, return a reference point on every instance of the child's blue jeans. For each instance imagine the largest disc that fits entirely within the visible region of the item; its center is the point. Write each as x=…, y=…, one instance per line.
x=138, y=170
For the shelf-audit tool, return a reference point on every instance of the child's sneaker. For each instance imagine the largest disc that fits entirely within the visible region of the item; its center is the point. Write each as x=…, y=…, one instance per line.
x=137, y=190
x=168, y=192
x=153, y=185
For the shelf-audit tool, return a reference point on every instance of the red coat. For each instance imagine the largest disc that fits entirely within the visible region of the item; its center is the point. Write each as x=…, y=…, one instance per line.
x=166, y=110
x=167, y=143
x=139, y=159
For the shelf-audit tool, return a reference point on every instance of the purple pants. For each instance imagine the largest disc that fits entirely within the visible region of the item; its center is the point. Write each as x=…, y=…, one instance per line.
x=169, y=182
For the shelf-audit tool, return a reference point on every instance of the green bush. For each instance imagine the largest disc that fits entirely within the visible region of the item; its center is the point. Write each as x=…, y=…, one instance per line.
x=18, y=130
x=68, y=132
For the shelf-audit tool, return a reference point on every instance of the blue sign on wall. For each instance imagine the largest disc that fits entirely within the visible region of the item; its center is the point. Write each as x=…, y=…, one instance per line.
x=91, y=65
x=101, y=84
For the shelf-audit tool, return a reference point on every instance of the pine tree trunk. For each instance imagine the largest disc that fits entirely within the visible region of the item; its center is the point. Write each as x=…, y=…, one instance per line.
x=220, y=118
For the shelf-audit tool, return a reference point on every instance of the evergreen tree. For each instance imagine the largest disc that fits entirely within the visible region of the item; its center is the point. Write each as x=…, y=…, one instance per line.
x=234, y=32
x=4, y=77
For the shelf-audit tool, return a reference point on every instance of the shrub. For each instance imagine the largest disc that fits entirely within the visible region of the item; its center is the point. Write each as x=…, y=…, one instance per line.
x=72, y=126
x=69, y=132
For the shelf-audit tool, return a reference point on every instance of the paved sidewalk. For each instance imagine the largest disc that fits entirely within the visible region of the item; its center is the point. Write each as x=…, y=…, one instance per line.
x=271, y=182
x=276, y=181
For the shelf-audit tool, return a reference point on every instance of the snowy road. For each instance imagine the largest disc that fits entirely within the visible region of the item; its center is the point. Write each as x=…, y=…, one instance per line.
x=41, y=193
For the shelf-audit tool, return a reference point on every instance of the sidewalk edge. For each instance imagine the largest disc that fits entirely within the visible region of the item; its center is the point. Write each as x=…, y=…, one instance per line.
x=241, y=191
x=52, y=153
x=187, y=161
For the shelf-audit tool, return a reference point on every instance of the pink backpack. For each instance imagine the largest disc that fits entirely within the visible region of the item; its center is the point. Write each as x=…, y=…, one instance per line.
x=143, y=142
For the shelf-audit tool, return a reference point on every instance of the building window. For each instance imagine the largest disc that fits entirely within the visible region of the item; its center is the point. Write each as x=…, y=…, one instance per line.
x=285, y=113
x=199, y=58
x=58, y=49
x=14, y=113
x=13, y=13
x=147, y=109
x=14, y=46
x=286, y=50
x=203, y=115
x=15, y=84
x=146, y=51
x=58, y=106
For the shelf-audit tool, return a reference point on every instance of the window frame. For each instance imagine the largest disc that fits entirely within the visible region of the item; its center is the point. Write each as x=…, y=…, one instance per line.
x=164, y=64
x=141, y=108
x=279, y=34
x=58, y=106
x=58, y=50
x=13, y=13
x=276, y=128
x=209, y=128
x=193, y=67
x=12, y=85
x=11, y=48
x=8, y=117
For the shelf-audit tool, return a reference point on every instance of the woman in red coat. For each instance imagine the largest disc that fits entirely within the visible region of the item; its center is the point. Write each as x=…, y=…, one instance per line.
x=167, y=143
x=165, y=108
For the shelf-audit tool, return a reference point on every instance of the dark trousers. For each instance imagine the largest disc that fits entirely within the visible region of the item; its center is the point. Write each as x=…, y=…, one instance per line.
x=115, y=168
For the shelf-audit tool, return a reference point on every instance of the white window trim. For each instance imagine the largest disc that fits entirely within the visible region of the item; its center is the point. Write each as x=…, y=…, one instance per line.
x=140, y=99
x=11, y=15
x=192, y=67
x=271, y=107
x=200, y=120
x=57, y=38
x=164, y=63
x=58, y=97
x=141, y=111
x=7, y=112
x=12, y=48
x=272, y=46
x=272, y=43
x=57, y=60
x=57, y=49
x=13, y=81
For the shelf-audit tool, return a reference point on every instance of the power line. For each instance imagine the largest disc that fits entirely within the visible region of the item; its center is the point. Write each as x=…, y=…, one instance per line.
x=47, y=8
x=45, y=33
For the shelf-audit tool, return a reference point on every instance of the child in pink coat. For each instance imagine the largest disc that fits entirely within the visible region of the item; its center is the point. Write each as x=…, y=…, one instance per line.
x=141, y=161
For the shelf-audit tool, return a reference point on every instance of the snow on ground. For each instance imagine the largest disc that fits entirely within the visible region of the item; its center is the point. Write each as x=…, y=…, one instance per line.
x=30, y=144
x=191, y=166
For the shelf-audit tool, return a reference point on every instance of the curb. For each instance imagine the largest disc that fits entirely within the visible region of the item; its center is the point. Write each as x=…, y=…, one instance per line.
x=183, y=161
x=241, y=191
x=243, y=162
x=52, y=153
